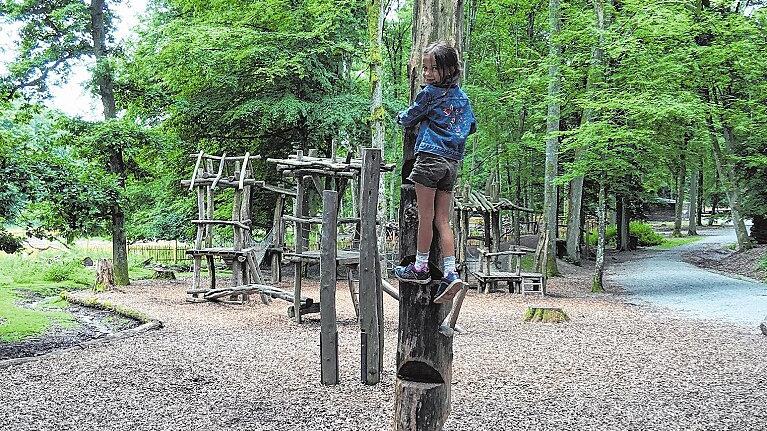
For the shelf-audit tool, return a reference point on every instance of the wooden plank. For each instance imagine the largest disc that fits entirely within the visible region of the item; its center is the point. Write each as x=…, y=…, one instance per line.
x=328, y=328
x=279, y=237
x=276, y=189
x=241, y=224
x=224, y=182
x=369, y=320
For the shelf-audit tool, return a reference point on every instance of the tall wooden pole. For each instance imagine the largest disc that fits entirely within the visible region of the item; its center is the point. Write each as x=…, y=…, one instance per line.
x=424, y=356
x=329, y=330
x=371, y=318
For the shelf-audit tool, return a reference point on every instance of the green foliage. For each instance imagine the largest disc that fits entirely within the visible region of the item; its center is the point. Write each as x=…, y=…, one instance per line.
x=647, y=237
x=9, y=243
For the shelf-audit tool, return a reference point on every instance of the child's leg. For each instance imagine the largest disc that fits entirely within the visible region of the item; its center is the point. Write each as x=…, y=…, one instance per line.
x=442, y=203
x=425, y=201
x=418, y=272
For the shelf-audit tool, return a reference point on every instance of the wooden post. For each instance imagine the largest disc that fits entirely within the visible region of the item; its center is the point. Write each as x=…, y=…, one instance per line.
x=369, y=273
x=279, y=237
x=328, y=331
x=298, y=211
x=238, y=237
x=199, y=236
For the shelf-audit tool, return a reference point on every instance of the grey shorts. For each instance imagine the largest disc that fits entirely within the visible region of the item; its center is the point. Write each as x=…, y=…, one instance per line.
x=434, y=172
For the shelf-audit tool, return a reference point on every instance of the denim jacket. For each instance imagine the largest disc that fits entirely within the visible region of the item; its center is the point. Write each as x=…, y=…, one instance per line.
x=446, y=121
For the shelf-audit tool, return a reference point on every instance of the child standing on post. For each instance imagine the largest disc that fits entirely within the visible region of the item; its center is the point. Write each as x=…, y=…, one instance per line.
x=446, y=120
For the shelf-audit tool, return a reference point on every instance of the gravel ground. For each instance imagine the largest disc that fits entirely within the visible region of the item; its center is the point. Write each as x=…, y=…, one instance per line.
x=614, y=366
x=666, y=280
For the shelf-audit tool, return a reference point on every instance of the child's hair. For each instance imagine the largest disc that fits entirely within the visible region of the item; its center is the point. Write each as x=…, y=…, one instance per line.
x=447, y=61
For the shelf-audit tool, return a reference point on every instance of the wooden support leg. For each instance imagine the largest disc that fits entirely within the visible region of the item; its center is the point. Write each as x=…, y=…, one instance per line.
x=353, y=291
x=297, y=291
x=212, y=271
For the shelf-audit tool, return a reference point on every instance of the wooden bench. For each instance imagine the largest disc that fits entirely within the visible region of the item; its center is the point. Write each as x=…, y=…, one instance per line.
x=527, y=282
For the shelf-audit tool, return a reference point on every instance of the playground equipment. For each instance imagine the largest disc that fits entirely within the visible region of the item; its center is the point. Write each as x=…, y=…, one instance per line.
x=330, y=177
x=244, y=255
x=469, y=203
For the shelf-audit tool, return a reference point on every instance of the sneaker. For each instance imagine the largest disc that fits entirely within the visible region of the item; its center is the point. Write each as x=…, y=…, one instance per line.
x=411, y=275
x=448, y=287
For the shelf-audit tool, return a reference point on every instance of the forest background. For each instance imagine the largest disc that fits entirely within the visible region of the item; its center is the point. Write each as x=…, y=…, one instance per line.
x=655, y=98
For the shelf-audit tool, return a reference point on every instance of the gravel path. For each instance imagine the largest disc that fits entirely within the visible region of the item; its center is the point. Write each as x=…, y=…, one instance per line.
x=614, y=366
x=666, y=280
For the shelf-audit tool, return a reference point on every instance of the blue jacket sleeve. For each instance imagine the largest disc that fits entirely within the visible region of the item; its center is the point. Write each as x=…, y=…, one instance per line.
x=417, y=111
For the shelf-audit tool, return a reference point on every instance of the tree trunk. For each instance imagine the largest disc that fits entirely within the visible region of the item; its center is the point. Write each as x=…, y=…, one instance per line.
x=693, y=213
x=375, y=33
x=105, y=86
x=599, y=268
x=701, y=188
x=546, y=253
x=727, y=177
x=424, y=356
x=625, y=223
x=595, y=74
x=618, y=222
x=679, y=186
x=735, y=209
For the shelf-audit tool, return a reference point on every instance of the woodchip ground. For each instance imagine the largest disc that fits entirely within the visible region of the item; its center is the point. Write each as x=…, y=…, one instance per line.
x=614, y=366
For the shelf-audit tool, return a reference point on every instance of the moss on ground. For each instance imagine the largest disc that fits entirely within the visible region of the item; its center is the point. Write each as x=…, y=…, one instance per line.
x=546, y=315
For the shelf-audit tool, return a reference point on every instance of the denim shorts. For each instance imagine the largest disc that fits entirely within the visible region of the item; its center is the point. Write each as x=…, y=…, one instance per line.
x=434, y=172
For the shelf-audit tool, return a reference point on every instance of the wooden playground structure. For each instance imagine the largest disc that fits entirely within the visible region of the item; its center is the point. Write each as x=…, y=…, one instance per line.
x=470, y=203
x=330, y=177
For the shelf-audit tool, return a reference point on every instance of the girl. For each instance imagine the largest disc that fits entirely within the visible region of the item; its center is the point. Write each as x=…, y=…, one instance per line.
x=446, y=120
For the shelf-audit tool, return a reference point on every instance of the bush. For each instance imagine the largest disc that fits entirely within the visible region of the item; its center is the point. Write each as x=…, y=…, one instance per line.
x=9, y=243
x=647, y=236
x=71, y=270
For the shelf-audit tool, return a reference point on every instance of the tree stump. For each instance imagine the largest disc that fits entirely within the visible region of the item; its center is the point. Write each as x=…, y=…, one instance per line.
x=545, y=315
x=105, y=279
x=164, y=274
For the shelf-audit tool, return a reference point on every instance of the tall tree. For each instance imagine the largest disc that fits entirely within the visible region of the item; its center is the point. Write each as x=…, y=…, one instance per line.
x=593, y=78
x=54, y=36
x=547, y=245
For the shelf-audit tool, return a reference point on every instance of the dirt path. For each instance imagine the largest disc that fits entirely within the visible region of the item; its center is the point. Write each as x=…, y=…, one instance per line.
x=666, y=280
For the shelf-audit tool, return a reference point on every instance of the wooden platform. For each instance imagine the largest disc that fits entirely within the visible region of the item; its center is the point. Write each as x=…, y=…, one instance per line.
x=220, y=251
x=343, y=257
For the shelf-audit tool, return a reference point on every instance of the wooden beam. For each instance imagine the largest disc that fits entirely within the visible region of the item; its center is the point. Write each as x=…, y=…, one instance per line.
x=328, y=328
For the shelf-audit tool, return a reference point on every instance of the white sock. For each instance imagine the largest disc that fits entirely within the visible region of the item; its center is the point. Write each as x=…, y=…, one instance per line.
x=421, y=261
x=448, y=264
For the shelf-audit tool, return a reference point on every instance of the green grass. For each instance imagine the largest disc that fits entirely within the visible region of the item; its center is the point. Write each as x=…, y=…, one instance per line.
x=45, y=275
x=19, y=323
x=669, y=243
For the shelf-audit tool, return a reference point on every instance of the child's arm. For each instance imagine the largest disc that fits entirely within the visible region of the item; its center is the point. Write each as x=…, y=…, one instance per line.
x=417, y=111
